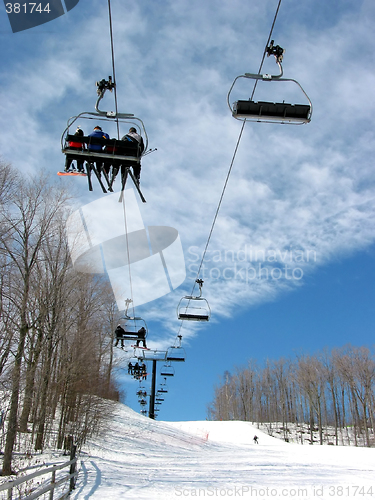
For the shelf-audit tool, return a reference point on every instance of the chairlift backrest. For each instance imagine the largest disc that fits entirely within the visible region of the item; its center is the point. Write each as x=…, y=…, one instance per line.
x=270, y=111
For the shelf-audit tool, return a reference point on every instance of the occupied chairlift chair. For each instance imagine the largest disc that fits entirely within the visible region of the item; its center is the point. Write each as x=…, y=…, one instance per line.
x=296, y=114
x=194, y=308
x=135, y=327
x=123, y=153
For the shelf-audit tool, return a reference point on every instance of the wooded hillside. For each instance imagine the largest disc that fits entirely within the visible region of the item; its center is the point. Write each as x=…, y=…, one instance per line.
x=330, y=389
x=56, y=324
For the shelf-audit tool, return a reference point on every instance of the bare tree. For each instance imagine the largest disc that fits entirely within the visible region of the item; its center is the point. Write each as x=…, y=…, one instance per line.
x=26, y=224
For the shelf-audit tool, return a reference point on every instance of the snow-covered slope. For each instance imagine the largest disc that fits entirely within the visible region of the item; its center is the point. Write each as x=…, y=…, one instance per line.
x=145, y=459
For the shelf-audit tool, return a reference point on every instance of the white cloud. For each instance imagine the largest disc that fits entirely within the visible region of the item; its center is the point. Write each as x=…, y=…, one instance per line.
x=303, y=187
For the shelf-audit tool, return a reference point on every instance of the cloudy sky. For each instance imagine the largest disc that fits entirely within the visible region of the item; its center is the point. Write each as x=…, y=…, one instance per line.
x=290, y=265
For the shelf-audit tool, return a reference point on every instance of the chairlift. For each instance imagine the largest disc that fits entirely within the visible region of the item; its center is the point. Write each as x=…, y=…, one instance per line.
x=132, y=328
x=141, y=393
x=163, y=388
x=103, y=156
x=263, y=111
x=194, y=308
x=143, y=412
x=176, y=352
x=141, y=388
x=167, y=370
x=142, y=402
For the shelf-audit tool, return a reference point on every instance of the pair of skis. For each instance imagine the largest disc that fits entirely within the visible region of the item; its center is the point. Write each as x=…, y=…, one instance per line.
x=90, y=167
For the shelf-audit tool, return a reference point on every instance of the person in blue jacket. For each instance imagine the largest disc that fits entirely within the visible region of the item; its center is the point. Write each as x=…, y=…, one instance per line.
x=97, y=132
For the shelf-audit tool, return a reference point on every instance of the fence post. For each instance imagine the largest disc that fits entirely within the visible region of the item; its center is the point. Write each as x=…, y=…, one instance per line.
x=53, y=480
x=73, y=467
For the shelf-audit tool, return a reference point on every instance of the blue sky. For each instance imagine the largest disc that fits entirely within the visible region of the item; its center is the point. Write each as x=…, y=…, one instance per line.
x=298, y=196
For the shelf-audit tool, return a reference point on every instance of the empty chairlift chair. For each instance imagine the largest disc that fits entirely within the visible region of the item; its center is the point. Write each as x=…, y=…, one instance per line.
x=279, y=112
x=163, y=389
x=194, y=308
x=176, y=353
x=167, y=370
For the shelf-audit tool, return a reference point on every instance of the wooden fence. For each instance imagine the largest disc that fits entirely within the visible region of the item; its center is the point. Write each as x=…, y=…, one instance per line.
x=48, y=485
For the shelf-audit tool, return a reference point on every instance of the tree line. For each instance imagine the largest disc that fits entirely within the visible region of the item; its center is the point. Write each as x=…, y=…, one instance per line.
x=56, y=354
x=331, y=391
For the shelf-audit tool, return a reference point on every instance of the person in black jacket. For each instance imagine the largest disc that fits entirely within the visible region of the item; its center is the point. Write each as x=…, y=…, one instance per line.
x=120, y=335
x=141, y=337
x=135, y=138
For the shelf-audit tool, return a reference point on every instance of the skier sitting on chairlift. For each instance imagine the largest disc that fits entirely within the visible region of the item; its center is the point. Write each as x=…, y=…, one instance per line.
x=135, y=138
x=99, y=134
x=141, y=337
x=120, y=334
x=136, y=370
x=75, y=146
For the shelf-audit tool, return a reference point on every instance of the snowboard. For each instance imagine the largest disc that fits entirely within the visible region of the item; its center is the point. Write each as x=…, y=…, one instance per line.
x=79, y=174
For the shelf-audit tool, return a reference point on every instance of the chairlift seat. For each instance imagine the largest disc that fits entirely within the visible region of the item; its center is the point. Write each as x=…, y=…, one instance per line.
x=193, y=317
x=270, y=111
x=173, y=358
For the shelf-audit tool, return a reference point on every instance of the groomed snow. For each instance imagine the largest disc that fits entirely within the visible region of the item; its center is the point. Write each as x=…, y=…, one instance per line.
x=145, y=459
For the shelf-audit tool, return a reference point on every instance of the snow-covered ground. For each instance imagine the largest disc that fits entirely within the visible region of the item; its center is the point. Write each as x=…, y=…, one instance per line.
x=145, y=459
